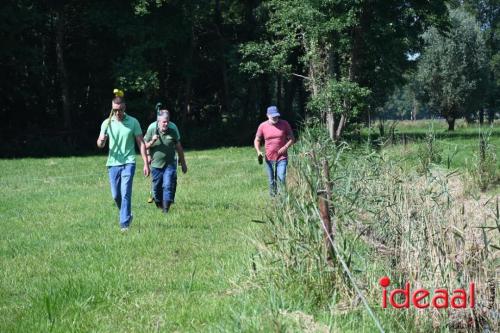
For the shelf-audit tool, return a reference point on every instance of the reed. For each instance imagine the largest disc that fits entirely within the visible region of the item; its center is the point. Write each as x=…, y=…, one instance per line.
x=419, y=227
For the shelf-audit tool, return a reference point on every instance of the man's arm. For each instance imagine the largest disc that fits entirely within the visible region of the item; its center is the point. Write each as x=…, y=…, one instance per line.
x=256, y=144
x=291, y=140
x=182, y=159
x=148, y=145
x=142, y=147
x=101, y=140
x=147, y=138
x=152, y=142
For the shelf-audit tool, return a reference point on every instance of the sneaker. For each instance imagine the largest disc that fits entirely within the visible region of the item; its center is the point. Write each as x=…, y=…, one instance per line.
x=124, y=229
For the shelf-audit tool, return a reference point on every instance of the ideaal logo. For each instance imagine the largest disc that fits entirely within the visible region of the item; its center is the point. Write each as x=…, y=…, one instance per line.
x=421, y=298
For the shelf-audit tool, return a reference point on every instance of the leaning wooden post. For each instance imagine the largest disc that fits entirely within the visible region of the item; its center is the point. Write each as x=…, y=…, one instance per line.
x=324, y=199
x=329, y=196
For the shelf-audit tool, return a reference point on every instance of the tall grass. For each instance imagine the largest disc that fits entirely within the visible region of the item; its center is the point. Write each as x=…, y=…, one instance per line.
x=436, y=237
x=428, y=153
x=418, y=227
x=484, y=169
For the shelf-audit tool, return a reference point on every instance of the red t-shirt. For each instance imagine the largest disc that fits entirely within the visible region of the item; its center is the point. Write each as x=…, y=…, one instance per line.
x=275, y=136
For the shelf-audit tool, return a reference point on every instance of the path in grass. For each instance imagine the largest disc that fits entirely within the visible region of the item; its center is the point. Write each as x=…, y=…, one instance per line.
x=65, y=266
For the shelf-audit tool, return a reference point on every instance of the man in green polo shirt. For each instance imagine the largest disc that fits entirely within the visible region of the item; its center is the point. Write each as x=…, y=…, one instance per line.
x=123, y=132
x=163, y=141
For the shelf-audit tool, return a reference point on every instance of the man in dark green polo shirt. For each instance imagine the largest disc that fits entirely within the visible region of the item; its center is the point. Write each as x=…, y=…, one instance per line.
x=163, y=141
x=123, y=132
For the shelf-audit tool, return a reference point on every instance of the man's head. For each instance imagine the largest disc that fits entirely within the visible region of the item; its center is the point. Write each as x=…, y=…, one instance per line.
x=272, y=114
x=118, y=106
x=162, y=120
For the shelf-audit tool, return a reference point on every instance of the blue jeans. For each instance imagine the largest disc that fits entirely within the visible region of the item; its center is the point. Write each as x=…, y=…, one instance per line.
x=276, y=170
x=164, y=183
x=120, y=179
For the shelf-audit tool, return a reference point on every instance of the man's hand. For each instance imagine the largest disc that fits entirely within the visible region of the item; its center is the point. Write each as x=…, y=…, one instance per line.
x=101, y=141
x=146, y=170
x=184, y=168
x=260, y=158
x=282, y=150
x=152, y=142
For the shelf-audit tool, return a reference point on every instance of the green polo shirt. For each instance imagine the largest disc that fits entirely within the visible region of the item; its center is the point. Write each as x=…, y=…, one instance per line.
x=121, y=136
x=163, y=150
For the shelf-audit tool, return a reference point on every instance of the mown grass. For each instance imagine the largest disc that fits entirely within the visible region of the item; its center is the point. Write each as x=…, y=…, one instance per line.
x=66, y=266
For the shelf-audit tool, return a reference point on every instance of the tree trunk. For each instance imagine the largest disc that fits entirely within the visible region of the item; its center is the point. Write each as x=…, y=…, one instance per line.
x=62, y=72
x=265, y=98
x=415, y=108
x=358, y=44
x=302, y=101
x=340, y=128
x=330, y=124
x=278, y=92
x=246, y=113
x=356, y=57
x=491, y=115
x=222, y=60
x=164, y=80
x=186, y=110
x=451, y=123
x=290, y=93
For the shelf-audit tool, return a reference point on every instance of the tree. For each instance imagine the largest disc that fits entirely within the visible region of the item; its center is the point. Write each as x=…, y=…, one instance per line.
x=60, y=60
x=487, y=12
x=403, y=105
x=452, y=69
x=352, y=53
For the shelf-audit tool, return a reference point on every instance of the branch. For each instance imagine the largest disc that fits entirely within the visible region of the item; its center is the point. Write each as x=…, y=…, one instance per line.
x=302, y=76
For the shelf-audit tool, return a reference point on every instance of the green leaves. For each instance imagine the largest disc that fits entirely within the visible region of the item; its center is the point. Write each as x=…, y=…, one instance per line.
x=140, y=81
x=347, y=50
x=451, y=71
x=341, y=97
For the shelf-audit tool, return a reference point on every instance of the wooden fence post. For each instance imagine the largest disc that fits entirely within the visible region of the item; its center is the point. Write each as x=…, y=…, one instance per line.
x=324, y=200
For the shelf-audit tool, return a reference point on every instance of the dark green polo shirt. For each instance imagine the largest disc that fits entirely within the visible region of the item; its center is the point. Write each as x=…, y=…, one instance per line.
x=163, y=150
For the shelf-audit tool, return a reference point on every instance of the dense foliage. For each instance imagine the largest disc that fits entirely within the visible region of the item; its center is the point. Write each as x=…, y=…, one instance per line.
x=452, y=72
x=215, y=64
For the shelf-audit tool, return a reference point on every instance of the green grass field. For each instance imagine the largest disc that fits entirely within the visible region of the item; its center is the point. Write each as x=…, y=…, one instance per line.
x=459, y=149
x=67, y=267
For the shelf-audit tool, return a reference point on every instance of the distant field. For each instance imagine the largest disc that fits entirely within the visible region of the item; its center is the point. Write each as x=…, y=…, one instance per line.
x=458, y=147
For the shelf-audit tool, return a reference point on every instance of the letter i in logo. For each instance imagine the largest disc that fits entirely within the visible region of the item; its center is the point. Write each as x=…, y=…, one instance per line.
x=384, y=283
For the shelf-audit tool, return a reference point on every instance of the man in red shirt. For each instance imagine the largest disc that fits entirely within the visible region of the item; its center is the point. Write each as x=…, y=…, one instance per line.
x=278, y=137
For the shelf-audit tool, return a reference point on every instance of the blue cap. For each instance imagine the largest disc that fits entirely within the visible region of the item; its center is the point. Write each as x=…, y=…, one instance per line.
x=273, y=111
